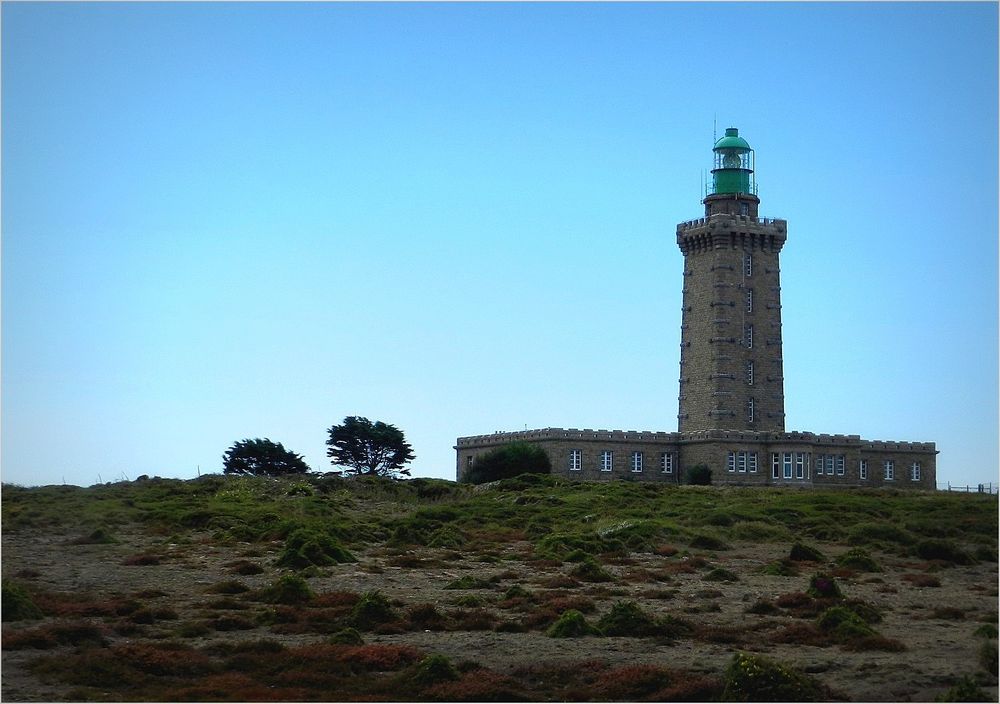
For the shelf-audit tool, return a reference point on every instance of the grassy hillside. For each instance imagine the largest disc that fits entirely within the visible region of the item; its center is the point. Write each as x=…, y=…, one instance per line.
x=246, y=588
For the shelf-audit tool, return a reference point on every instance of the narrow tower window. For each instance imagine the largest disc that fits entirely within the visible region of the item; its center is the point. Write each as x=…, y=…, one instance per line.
x=750, y=410
x=750, y=372
x=748, y=336
x=747, y=264
x=749, y=300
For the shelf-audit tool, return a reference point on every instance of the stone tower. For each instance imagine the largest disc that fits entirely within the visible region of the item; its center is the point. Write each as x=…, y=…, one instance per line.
x=731, y=365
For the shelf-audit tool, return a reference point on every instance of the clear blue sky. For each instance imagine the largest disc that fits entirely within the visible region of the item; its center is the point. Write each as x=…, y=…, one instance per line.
x=224, y=221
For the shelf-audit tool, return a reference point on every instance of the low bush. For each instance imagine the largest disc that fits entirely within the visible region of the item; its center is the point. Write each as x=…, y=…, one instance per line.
x=878, y=534
x=987, y=630
x=508, y=462
x=805, y=553
x=720, y=574
x=822, y=586
x=372, y=609
x=306, y=548
x=988, y=657
x=707, y=542
x=859, y=559
x=346, y=636
x=433, y=669
x=426, y=617
x=944, y=550
x=754, y=678
x=843, y=624
x=626, y=618
x=571, y=624
x=782, y=568
x=590, y=570
x=287, y=589
x=966, y=690
x=16, y=604
x=631, y=683
x=699, y=475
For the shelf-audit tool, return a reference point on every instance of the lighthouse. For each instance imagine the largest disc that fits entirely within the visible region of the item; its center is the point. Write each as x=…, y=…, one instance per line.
x=731, y=364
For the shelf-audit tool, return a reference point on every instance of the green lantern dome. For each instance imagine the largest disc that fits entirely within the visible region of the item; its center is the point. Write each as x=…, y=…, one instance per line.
x=733, y=172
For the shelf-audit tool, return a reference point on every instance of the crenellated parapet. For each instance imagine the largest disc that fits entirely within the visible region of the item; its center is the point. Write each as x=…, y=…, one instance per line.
x=725, y=230
x=504, y=438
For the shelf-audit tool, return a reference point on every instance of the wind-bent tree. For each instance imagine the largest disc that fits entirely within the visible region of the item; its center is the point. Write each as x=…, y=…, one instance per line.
x=262, y=457
x=369, y=448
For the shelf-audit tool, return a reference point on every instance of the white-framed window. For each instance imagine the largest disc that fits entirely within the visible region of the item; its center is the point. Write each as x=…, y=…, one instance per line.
x=915, y=472
x=731, y=461
x=636, y=461
x=889, y=470
x=744, y=208
x=840, y=465
x=748, y=336
x=741, y=461
x=750, y=410
x=749, y=300
x=819, y=465
x=666, y=463
x=607, y=460
x=800, y=465
x=575, y=460
x=775, y=465
x=862, y=469
x=829, y=464
x=747, y=264
x=752, y=462
x=786, y=465
x=749, y=372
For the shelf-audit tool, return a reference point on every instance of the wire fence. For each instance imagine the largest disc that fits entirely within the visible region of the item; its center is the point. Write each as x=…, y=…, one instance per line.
x=978, y=489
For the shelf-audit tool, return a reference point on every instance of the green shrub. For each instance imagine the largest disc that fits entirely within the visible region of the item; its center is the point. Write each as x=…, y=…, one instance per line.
x=287, y=589
x=805, y=553
x=988, y=657
x=707, y=542
x=571, y=624
x=754, y=678
x=517, y=592
x=966, y=690
x=781, y=568
x=859, y=559
x=448, y=537
x=371, y=609
x=843, y=624
x=945, y=550
x=346, y=636
x=433, y=669
x=16, y=603
x=700, y=474
x=987, y=630
x=626, y=618
x=305, y=548
x=721, y=575
x=878, y=534
x=508, y=462
x=822, y=586
x=590, y=570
